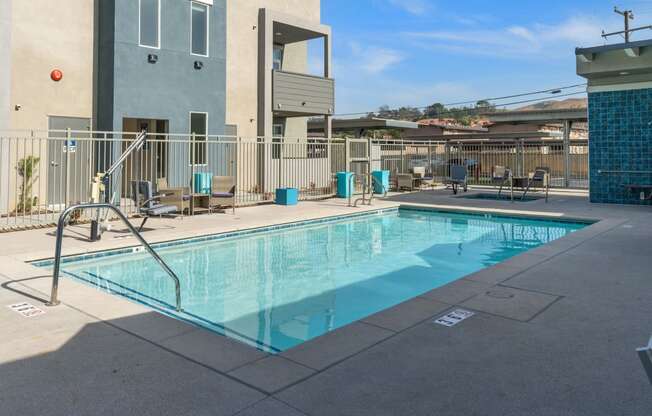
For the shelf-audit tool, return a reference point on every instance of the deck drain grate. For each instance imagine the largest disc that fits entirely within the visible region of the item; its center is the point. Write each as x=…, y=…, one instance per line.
x=26, y=309
x=453, y=318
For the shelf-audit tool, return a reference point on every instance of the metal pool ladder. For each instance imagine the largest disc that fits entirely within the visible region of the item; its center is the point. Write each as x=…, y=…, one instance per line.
x=57, y=251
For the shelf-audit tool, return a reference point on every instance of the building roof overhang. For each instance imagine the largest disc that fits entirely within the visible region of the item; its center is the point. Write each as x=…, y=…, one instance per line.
x=539, y=116
x=369, y=123
x=621, y=63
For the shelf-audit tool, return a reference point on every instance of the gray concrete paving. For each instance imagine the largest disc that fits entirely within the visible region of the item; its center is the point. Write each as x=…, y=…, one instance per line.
x=554, y=333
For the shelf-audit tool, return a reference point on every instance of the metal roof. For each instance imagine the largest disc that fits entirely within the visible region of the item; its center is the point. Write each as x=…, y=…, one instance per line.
x=363, y=123
x=534, y=116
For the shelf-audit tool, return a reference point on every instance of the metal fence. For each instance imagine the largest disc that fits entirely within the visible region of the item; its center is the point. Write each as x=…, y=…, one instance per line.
x=42, y=173
x=568, y=162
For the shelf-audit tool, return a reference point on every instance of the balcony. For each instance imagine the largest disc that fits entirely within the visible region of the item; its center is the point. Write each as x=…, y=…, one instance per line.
x=296, y=94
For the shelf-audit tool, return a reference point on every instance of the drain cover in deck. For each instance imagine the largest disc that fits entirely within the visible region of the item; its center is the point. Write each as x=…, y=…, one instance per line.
x=26, y=309
x=453, y=318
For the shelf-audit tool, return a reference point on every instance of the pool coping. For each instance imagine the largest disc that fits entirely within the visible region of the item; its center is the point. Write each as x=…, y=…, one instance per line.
x=246, y=364
x=88, y=255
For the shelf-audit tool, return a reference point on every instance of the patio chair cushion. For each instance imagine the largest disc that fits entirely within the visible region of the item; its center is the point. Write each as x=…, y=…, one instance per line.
x=222, y=195
x=159, y=210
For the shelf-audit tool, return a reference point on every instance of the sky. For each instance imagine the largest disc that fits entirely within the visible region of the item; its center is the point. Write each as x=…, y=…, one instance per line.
x=417, y=52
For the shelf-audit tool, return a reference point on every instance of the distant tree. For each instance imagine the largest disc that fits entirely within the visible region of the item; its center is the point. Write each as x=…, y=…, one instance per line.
x=409, y=113
x=485, y=106
x=434, y=111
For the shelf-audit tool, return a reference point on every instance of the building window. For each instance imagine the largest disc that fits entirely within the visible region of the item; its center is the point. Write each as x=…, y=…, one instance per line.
x=199, y=127
x=279, y=50
x=199, y=29
x=317, y=149
x=277, y=140
x=150, y=23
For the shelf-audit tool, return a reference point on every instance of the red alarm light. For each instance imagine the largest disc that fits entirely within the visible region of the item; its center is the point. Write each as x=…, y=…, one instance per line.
x=56, y=75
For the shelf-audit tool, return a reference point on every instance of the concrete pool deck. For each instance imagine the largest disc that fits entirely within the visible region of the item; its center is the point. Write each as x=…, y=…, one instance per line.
x=554, y=332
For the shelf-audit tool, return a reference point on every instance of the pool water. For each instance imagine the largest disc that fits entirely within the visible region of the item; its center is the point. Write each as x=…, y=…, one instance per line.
x=279, y=288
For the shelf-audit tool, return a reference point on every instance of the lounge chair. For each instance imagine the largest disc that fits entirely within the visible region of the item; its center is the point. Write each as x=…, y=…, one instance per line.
x=539, y=179
x=222, y=192
x=420, y=174
x=404, y=180
x=499, y=177
x=181, y=197
x=147, y=204
x=457, y=178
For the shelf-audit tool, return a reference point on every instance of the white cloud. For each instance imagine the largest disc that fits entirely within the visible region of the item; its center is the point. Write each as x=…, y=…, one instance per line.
x=515, y=41
x=374, y=59
x=416, y=7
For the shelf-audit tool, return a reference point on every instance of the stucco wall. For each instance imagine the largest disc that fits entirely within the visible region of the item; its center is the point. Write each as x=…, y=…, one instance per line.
x=242, y=60
x=46, y=35
x=169, y=89
x=5, y=59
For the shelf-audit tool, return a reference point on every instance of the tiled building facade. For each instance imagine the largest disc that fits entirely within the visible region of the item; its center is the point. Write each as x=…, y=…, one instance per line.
x=620, y=145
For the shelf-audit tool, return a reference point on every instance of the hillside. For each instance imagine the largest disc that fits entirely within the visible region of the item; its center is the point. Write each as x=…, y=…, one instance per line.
x=556, y=105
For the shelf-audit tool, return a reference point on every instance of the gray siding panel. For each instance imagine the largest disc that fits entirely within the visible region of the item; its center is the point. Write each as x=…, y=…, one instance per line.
x=303, y=94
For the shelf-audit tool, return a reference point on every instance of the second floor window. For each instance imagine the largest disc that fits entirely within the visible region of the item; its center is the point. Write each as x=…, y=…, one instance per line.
x=150, y=23
x=199, y=29
x=278, y=57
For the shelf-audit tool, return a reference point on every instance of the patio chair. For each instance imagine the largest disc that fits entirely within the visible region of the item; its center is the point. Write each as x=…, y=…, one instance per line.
x=457, y=178
x=499, y=177
x=147, y=204
x=223, y=192
x=420, y=174
x=181, y=197
x=539, y=179
x=404, y=180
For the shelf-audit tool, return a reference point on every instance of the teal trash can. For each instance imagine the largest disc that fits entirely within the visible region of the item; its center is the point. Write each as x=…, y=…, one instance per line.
x=344, y=184
x=202, y=182
x=381, y=184
x=287, y=196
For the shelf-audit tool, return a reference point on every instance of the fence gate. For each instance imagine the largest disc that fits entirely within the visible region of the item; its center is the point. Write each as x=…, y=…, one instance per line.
x=358, y=155
x=68, y=159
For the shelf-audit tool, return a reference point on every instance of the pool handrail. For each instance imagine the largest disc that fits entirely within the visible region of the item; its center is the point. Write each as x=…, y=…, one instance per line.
x=366, y=185
x=57, y=251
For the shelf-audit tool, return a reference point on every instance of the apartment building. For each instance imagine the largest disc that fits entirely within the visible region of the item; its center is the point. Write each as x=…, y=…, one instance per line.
x=172, y=66
x=206, y=68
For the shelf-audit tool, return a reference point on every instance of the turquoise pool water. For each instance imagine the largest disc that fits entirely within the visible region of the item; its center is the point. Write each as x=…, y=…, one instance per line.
x=279, y=288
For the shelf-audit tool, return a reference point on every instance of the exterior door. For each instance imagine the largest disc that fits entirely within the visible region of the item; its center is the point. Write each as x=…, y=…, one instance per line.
x=69, y=162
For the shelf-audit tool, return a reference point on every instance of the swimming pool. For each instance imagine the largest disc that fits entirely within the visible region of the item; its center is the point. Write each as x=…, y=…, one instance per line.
x=276, y=287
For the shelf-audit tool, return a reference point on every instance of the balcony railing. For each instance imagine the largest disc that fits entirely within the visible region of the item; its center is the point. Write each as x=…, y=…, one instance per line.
x=300, y=94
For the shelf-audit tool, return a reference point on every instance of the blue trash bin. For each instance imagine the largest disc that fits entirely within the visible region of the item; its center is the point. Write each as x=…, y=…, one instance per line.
x=202, y=182
x=287, y=196
x=381, y=184
x=344, y=184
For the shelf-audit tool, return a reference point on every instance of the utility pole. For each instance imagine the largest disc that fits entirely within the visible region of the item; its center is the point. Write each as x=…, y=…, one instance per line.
x=627, y=15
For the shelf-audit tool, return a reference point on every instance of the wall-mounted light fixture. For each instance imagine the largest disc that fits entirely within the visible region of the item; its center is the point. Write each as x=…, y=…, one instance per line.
x=152, y=58
x=199, y=64
x=17, y=107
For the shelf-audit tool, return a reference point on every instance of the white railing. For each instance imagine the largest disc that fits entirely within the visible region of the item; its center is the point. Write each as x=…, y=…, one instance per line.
x=43, y=173
x=568, y=165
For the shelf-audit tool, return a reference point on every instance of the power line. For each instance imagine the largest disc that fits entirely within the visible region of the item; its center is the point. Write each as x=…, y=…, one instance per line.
x=550, y=90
